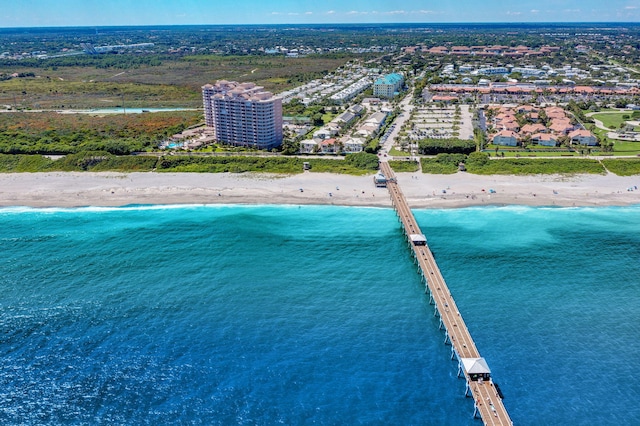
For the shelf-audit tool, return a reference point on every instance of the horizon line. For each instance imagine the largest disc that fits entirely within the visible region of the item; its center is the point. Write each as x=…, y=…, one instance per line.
x=327, y=24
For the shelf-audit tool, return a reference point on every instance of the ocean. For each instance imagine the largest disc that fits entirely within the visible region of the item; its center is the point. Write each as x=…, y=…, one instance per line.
x=262, y=315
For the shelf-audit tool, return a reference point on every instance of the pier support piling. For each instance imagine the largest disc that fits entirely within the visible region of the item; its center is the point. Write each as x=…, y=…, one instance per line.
x=487, y=404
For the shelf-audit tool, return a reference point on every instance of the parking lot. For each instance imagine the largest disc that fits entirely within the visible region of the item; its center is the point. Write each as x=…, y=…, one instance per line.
x=437, y=122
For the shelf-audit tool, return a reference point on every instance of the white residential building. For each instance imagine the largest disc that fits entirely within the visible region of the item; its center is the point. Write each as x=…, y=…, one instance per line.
x=308, y=146
x=354, y=145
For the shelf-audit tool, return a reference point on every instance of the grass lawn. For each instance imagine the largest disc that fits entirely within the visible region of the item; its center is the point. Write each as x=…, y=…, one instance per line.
x=626, y=148
x=524, y=154
x=510, y=152
x=327, y=117
x=395, y=152
x=619, y=147
x=611, y=120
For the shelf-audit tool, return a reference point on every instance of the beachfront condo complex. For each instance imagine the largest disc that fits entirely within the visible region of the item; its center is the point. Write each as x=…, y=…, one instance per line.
x=243, y=114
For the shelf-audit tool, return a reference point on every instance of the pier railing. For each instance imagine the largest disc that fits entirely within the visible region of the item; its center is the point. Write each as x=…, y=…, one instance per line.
x=479, y=384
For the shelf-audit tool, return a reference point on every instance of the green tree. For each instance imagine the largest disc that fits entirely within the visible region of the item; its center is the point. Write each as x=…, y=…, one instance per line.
x=477, y=159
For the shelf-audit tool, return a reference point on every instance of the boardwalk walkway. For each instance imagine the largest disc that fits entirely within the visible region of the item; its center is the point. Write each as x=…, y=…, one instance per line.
x=487, y=402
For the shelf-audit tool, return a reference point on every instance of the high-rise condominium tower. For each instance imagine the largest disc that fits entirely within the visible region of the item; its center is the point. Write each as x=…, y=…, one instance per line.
x=243, y=114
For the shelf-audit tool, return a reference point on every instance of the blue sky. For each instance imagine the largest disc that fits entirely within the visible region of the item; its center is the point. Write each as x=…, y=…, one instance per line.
x=30, y=13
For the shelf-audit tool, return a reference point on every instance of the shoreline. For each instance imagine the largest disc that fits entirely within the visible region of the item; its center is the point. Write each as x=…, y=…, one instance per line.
x=111, y=189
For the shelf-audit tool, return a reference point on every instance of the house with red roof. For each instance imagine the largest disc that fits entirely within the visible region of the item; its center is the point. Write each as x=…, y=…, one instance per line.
x=533, y=128
x=439, y=50
x=444, y=98
x=583, y=137
x=561, y=126
x=555, y=112
x=510, y=125
x=526, y=109
x=328, y=146
x=460, y=50
x=506, y=138
x=545, y=139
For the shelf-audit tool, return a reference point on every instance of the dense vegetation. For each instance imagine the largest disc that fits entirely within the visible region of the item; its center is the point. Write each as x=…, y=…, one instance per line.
x=85, y=161
x=355, y=164
x=404, y=166
x=120, y=134
x=242, y=40
x=623, y=166
x=443, y=163
x=479, y=163
x=450, y=146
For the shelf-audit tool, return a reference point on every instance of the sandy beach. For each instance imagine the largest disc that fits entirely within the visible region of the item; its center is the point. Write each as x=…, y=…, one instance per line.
x=422, y=191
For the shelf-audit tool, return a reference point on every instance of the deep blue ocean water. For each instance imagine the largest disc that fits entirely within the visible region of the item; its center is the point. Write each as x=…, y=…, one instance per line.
x=313, y=315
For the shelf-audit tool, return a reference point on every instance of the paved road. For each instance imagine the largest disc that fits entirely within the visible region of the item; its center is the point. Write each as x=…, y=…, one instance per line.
x=406, y=107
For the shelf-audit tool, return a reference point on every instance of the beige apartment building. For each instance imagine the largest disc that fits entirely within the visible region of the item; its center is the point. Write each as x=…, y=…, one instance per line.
x=243, y=114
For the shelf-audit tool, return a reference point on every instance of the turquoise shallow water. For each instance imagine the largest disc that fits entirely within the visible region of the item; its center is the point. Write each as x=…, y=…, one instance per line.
x=312, y=315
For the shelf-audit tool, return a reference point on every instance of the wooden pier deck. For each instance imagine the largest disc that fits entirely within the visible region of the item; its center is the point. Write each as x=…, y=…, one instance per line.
x=487, y=402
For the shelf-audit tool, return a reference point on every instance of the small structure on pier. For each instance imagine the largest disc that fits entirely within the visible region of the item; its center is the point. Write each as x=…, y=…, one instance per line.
x=487, y=402
x=476, y=369
x=418, y=239
x=380, y=180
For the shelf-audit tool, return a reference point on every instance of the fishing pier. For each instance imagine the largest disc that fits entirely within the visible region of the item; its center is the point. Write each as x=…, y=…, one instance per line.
x=479, y=384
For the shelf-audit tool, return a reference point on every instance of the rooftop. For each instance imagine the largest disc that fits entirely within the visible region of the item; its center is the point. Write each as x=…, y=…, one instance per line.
x=393, y=78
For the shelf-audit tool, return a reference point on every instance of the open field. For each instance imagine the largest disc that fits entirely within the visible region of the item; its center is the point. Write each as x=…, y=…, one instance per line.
x=174, y=82
x=626, y=148
x=612, y=120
